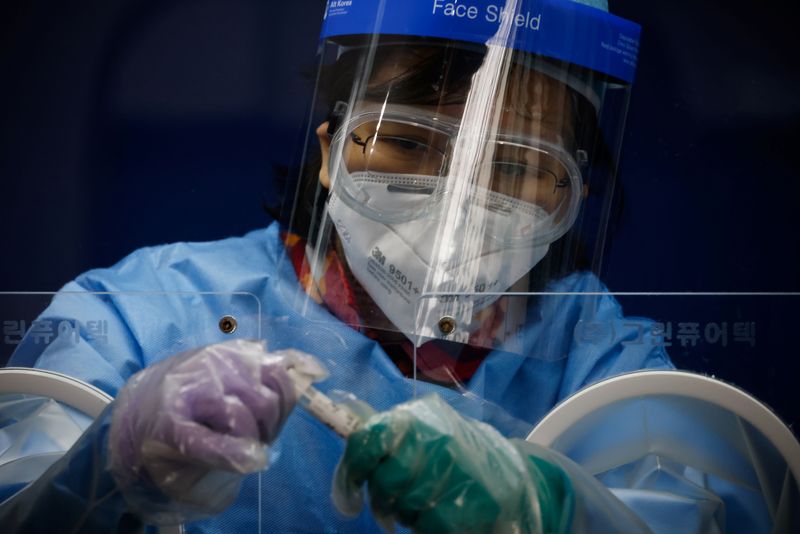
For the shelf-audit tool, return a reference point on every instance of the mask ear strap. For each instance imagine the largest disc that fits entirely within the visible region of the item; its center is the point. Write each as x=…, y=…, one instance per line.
x=336, y=116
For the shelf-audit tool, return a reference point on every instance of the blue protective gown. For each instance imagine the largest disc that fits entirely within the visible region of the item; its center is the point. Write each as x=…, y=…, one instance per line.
x=510, y=391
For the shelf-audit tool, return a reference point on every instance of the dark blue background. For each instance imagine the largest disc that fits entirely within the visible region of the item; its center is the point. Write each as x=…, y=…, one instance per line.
x=134, y=123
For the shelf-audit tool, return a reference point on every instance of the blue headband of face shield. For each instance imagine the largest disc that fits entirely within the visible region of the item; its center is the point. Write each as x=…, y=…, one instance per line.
x=558, y=29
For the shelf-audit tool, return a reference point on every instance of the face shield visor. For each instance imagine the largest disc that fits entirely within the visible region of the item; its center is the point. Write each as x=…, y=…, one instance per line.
x=462, y=146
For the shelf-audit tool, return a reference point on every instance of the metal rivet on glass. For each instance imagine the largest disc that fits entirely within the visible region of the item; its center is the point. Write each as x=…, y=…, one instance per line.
x=447, y=325
x=228, y=324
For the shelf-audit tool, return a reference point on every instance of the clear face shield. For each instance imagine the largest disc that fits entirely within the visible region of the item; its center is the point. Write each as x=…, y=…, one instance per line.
x=457, y=164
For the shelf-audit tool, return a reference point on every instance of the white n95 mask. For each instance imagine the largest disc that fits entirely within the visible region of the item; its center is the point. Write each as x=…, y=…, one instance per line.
x=399, y=264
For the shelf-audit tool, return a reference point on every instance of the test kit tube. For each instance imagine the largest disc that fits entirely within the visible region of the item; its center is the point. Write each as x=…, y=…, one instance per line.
x=338, y=417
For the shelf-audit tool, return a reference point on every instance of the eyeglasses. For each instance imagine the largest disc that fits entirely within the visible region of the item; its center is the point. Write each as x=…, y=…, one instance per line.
x=511, y=168
x=398, y=163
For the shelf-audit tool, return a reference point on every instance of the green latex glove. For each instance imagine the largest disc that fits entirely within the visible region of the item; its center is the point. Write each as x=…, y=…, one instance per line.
x=429, y=468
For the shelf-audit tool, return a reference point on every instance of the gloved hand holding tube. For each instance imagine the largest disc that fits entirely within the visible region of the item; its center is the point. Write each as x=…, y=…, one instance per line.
x=186, y=430
x=429, y=468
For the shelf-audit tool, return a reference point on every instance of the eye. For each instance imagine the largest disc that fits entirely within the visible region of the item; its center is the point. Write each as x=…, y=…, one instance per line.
x=403, y=143
x=510, y=169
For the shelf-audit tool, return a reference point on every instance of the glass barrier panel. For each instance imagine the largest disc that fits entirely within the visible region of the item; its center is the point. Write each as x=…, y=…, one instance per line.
x=731, y=455
x=577, y=338
x=102, y=339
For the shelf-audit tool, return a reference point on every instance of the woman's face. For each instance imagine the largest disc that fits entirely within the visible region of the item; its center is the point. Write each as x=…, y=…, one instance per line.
x=533, y=107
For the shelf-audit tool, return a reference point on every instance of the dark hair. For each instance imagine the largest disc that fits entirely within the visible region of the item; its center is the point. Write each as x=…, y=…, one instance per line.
x=428, y=83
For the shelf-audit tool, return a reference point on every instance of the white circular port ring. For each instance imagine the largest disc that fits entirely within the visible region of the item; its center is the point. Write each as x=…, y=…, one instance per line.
x=648, y=383
x=61, y=388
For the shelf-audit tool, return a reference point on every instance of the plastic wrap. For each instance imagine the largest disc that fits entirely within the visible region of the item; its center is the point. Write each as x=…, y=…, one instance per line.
x=34, y=433
x=75, y=494
x=186, y=430
x=427, y=467
x=684, y=452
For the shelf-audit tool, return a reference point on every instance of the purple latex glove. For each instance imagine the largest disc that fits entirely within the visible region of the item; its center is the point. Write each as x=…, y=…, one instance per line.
x=186, y=430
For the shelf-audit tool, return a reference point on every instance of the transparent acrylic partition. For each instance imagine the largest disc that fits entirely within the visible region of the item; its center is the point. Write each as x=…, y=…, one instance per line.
x=717, y=430
x=538, y=349
x=85, y=345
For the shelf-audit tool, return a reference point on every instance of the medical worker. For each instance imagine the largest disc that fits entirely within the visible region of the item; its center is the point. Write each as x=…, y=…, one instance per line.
x=435, y=266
